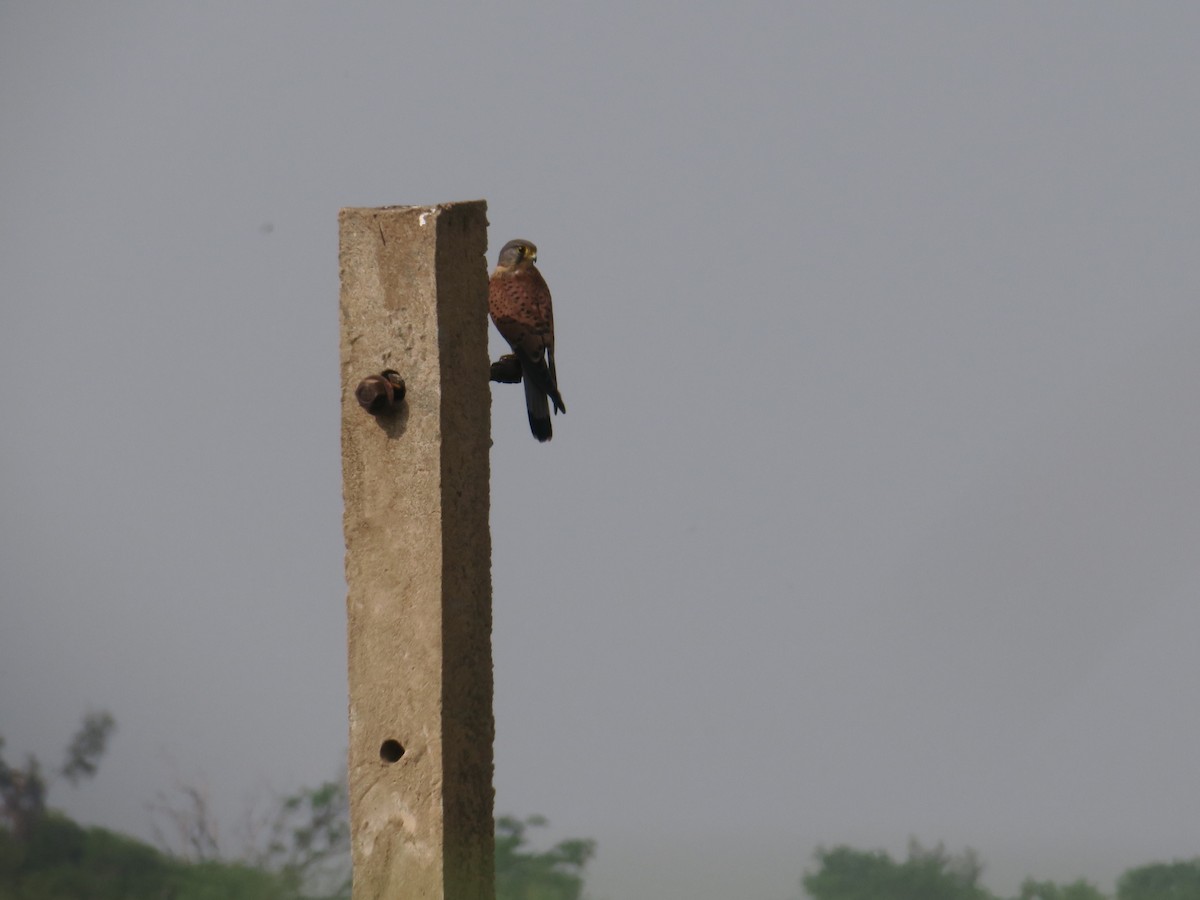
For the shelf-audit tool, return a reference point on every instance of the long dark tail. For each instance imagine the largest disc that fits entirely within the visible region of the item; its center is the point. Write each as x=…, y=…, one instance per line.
x=540, y=389
x=537, y=404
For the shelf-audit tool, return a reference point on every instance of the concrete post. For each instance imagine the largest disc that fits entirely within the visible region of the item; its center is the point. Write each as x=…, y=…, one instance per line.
x=418, y=553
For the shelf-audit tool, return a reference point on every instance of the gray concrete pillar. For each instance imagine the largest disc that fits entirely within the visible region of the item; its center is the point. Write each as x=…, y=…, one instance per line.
x=418, y=552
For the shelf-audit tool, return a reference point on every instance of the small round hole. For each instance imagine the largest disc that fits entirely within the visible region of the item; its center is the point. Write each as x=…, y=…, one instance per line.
x=391, y=751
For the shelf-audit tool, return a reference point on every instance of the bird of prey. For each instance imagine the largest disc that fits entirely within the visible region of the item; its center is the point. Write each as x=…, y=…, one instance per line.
x=519, y=303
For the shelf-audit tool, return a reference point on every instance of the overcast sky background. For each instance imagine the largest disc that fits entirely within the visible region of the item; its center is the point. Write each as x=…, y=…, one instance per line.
x=875, y=514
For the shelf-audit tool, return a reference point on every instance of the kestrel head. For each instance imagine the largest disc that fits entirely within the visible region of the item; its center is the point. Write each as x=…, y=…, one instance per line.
x=517, y=251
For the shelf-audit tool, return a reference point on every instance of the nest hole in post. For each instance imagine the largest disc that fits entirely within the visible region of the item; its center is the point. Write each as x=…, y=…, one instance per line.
x=390, y=751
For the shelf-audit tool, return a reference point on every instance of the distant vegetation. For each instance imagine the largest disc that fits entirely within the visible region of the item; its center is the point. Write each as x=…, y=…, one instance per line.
x=844, y=873
x=60, y=860
x=303, y=853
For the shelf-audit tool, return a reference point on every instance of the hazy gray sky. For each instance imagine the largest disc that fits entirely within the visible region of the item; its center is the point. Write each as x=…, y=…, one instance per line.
x=876, y=511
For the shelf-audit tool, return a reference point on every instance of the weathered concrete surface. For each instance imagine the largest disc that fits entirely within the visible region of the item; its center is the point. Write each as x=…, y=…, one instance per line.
x=418, y=553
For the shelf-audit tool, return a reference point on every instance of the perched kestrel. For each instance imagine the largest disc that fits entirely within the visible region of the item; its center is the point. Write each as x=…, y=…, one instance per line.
x=519, y=302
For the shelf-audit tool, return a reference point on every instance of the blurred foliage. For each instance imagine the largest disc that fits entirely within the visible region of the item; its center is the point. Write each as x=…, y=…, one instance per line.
x=1048, y=890
x=23, y=789
x=1179, y=880
x=303, y=850
x=46, y=856
x=524, y=874
x=88, y=745
x=928, y=874
x=844, y=873
x=22, y=795
x=61, y=860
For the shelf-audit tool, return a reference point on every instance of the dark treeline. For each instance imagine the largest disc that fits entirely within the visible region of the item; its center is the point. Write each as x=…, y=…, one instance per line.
x=58, y=859
x=844, y=873
x=303, y=853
